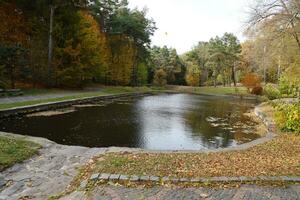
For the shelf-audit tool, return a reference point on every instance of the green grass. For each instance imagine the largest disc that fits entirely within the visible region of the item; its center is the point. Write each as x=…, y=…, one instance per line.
x=212, y=90
x=14, y=151
x=34, y=92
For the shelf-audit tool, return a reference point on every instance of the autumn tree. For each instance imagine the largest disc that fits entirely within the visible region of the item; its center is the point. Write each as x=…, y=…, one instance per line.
x=81, y=54
x=13, y=40
x=281, y=15
x=193, y=75
x=160, y=78
x=167, y=59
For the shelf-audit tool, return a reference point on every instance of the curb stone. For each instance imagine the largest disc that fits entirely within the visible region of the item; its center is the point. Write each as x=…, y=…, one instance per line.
x=223, y=179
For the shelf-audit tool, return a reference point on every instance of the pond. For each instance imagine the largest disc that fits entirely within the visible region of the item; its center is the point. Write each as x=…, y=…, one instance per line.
x=157, y=122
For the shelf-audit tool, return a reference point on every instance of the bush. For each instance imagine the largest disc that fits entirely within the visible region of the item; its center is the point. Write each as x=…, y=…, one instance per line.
x=160, y=78
x=209, y=83
x=251, y=81
x=271, y=91
x=288, y=117
x=257, y=90
x=289, y=84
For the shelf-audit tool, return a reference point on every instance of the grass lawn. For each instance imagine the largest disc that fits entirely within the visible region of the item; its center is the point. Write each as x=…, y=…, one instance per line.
x=13, y=151
x=211, y=90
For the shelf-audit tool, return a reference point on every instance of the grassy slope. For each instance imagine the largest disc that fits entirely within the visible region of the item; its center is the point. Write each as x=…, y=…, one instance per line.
x=13, y=151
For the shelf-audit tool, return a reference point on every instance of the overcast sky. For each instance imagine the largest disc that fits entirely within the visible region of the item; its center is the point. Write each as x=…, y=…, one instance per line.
x=182, y=23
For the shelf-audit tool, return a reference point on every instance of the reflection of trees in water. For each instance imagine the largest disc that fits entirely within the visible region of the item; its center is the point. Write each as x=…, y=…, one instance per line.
x=110, y=125
x=229, y=112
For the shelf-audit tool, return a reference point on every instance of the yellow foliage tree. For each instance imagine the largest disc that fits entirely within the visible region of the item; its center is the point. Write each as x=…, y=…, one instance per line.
x=193, y=75
x=123, y=57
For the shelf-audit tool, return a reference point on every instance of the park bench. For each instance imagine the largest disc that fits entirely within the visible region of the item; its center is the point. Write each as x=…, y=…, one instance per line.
x=10, y=92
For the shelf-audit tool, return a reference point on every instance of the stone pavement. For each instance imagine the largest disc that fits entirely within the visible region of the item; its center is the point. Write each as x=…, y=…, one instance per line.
x=44, y=175
x=36, y=97
x=245, y=192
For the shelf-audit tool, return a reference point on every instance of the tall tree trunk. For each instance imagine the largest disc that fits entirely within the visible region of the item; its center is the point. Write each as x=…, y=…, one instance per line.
x=12, y=77
x=50, y=46
x=233, y=74
x=134, y=69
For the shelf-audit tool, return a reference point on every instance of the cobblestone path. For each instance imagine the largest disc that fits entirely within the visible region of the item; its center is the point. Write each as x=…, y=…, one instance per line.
x=245, y=192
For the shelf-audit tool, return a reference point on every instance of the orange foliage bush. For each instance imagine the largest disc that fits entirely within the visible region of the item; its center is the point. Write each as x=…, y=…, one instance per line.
x=251, y=81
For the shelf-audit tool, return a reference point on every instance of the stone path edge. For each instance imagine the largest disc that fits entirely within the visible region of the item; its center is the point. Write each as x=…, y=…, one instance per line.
x=137, y=178
x=63, y=104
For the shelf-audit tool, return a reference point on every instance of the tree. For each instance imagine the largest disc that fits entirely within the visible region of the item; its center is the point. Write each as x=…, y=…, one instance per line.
x=193, y=75
x=134, y=24
x=199, y=55
x=251, y=81
x=232, y=52
x=281, y=15
x=167, y=59
x=13, y=58
x=217, y=57
x=80, y=54
x=160, y=78
x=13, y=39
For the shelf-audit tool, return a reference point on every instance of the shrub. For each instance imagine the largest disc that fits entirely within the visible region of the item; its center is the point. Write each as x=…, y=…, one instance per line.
x=289, y=84
x=251, y=81
x=209, y=83
x=257, y=90
x=160, y=78
x=288, y=117
x=271, y=91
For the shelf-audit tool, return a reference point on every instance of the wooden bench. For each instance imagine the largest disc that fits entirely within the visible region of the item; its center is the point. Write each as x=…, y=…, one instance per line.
x=10, y=92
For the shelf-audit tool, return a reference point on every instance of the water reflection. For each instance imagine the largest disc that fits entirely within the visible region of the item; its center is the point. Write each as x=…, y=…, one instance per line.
x=161, y=122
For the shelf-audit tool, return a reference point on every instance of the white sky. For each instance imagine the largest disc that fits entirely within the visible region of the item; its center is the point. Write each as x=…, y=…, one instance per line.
x=188, y=21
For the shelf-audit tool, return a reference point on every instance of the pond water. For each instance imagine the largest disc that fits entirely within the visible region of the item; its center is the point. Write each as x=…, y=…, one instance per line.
x=158, y=122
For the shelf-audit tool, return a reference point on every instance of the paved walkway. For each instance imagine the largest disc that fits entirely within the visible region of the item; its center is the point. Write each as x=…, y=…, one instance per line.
x=44, y=175
x=246, y=192
x=38, y=97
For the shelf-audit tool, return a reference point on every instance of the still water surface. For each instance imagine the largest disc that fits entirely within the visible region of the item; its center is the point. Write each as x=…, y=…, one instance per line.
x=159, y=122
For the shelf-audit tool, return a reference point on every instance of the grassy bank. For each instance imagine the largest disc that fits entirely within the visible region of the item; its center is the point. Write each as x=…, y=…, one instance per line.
x=211, y=90
x=13, y=151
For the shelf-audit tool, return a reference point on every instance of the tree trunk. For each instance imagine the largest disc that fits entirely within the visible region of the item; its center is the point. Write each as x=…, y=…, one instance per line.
x=50, y=46
x=134, y=69
x=233, y=74
x=12, y=77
